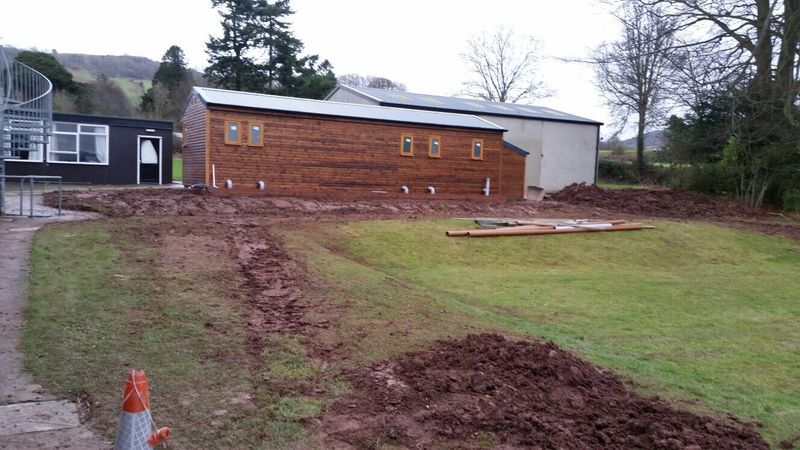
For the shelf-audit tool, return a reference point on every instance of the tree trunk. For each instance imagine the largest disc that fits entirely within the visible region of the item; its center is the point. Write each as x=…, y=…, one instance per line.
x=640, y=165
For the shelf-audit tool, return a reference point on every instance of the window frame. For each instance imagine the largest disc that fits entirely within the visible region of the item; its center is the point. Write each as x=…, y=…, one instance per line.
x=250, y=133
x=77, y=151
x=472, y=150
x=430, y=147
x=41, y=146
x=238, y=141
x=402, y=144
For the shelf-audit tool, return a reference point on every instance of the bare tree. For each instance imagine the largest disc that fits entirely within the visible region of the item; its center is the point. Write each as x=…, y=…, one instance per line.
x=503, y=67
x=631, y=73
x=370, y=81
x=747, y=51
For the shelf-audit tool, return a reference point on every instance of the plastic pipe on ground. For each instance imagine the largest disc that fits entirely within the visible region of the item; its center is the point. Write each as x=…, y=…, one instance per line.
x=523, y=227
x=516, y=231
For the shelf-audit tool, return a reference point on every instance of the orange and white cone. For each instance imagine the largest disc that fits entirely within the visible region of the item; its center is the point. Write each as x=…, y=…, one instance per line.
x=137, y=430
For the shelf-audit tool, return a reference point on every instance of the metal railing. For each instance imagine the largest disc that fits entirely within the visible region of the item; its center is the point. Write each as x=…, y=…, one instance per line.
x=31, y=179
x=26, y=108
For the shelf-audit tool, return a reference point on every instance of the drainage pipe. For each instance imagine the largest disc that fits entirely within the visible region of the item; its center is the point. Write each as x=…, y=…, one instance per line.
x=229, y=184
x=404, y=189
x=515, y=231
x=486, y=189
x=431, y=190
x=213, y=175
x=261, y=185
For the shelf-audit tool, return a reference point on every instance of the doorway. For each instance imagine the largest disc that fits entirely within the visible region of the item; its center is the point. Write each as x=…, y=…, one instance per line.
x=149, y=159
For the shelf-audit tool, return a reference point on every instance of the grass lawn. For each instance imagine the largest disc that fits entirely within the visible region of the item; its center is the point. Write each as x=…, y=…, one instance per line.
x=177, y=168
x=702, y=315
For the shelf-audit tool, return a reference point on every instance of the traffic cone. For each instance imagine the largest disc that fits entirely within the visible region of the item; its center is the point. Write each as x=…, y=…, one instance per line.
x=137, y=430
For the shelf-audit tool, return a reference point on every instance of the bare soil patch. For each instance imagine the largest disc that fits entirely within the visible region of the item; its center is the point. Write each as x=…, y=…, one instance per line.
x=514, y=394
x=575, y=201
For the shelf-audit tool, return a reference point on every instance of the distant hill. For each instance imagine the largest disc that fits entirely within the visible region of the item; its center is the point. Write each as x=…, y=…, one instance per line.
x=652, y=140
x=133, y=74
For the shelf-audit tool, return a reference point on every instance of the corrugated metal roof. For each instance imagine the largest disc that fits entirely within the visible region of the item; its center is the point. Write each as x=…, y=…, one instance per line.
x=350, y=110
x=466, y=105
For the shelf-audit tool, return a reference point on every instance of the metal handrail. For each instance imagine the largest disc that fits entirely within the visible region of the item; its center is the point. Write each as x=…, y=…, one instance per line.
x=33, y=179
x=22, y=103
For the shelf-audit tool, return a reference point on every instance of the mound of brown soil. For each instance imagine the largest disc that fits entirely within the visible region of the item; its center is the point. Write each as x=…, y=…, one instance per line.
x=651, y=202
x=486, y=390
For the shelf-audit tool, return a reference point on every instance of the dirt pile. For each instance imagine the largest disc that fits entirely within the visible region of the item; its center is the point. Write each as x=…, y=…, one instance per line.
x=485, y=390
x=651, y=202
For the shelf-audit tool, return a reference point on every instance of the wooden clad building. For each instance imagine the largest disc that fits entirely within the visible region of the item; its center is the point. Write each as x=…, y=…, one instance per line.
x=300, y=146
x=563, y=147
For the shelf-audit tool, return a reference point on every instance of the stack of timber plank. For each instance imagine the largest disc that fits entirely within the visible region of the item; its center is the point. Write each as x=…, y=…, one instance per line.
x=489, y=227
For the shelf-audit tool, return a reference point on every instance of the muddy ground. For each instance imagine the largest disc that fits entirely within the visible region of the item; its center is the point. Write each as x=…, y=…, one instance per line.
x=576, y=201
x=515, y=394
x=485, y=391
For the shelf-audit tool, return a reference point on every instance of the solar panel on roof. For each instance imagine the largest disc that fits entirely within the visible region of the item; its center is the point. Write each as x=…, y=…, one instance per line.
x=468, y=106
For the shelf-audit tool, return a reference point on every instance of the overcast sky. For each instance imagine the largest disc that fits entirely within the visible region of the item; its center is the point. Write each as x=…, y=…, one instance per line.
x=415, y=42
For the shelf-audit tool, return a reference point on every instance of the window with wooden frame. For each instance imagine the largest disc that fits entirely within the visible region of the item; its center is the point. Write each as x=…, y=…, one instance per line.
x=434, y=148
x=255, y=134
x=233, y=132
x=477, y=149
x=407, y=145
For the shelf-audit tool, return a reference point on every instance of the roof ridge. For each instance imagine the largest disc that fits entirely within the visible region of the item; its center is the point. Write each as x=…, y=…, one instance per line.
x=515, y=109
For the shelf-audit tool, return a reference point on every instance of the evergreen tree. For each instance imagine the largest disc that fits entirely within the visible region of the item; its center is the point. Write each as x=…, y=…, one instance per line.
x=231, y=64
x=49, y=66
x=261, y=27
x=171, y=85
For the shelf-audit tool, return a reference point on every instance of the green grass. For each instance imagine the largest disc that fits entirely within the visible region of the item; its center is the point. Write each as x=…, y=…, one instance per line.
x=177, y=168
x=133, y=89
x=702, y=315
x=614, y=185
x=81, y=75
x=106, y=297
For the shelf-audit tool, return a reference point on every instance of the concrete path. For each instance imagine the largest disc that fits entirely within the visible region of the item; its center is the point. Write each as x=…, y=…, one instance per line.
x=30, y=417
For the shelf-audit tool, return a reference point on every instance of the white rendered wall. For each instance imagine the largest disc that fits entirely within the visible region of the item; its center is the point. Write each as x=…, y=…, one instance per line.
x=527, y=135
x=570, y=155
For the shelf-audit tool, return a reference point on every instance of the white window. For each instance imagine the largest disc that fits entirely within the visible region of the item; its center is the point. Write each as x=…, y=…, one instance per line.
x=26, y=140
x=78, y=143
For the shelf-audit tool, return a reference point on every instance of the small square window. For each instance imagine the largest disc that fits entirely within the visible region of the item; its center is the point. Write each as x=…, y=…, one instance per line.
x=233, y=134
x=407, y=145
x=477, y=149
x=255, y=136
x=433, y=151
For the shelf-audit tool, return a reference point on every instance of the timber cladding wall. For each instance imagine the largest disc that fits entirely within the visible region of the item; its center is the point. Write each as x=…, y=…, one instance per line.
x=307, y=154
x=194, y=142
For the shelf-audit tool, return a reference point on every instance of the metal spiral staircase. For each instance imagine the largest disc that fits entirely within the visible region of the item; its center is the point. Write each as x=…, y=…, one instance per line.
x=26, y=114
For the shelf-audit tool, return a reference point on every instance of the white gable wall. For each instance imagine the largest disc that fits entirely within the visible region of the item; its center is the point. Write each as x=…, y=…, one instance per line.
x=345, y=96
x=570, y=155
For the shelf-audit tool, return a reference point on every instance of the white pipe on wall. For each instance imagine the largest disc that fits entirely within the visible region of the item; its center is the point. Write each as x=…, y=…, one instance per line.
x=213, y=175
x=431, y=189
x=487, y=189
x=229, y=184
x=261, y=185
x=404, y=189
